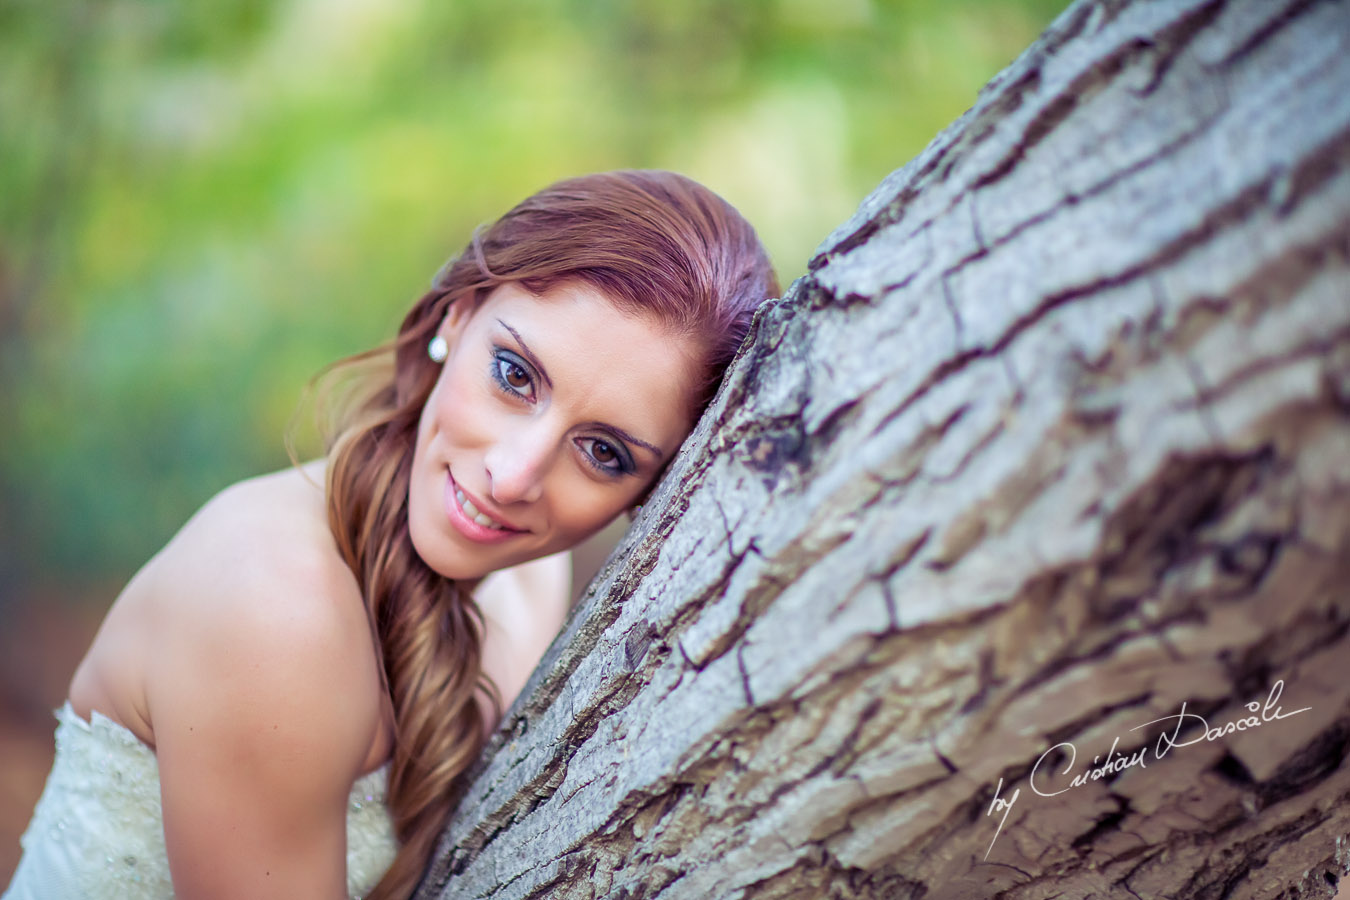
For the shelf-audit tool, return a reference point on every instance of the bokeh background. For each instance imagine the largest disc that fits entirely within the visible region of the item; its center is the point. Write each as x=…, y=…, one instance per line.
x=202, y=204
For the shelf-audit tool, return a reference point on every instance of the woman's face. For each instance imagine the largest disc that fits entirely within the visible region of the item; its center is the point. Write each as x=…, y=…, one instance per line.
x=552, y=413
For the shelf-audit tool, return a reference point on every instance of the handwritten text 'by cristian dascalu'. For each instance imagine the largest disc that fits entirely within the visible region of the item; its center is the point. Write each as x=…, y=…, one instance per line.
x=1260, y=714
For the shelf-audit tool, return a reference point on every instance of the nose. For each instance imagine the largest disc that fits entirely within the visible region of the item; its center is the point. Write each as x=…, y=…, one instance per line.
x=516, y=465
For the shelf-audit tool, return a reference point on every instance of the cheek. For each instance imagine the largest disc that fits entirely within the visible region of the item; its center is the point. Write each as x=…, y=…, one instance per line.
x=456, y=406
x=583, y=510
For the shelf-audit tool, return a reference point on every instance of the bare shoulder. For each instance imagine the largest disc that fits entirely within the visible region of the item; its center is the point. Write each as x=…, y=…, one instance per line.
x=226, y=572
x=264, y=695
x=258, y=610
x=268, y=526
x=242, y=653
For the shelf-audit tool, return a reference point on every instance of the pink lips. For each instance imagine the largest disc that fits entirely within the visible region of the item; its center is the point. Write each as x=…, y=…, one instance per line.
x=466, y=526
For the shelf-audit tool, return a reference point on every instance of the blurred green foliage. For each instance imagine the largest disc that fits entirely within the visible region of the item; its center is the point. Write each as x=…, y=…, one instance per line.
x=201, y=204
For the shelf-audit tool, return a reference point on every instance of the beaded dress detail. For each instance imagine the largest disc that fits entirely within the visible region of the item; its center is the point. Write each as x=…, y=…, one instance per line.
x=98, y=831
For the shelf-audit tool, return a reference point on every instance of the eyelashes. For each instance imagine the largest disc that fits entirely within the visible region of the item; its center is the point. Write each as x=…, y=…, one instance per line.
x=507, y=366
x=623, y=466
x=514, y=377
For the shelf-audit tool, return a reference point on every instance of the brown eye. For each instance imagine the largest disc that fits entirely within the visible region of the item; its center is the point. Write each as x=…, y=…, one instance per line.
x=512, y=376
x=516, y=376
x=610, y=459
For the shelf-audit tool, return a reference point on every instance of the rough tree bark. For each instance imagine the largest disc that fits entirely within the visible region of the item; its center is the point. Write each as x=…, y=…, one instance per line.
x=1052, y=441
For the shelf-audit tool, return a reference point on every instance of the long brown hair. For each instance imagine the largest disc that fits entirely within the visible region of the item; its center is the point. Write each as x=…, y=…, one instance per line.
x=652, y=242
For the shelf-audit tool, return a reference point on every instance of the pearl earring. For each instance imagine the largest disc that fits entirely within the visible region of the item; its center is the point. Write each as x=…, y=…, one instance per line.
x=438, y=349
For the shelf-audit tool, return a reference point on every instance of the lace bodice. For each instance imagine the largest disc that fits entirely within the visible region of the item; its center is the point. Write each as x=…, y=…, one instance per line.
x=97, y=830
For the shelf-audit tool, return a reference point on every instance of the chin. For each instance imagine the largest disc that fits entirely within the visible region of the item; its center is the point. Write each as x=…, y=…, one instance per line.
x=443, y=560
x=433, y=550
x=456, y=570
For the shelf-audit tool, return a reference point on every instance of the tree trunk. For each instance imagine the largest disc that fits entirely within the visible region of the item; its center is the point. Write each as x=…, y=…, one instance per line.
x=1046, y=460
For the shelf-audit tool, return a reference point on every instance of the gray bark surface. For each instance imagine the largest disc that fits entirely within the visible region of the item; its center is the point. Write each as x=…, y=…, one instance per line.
x=1052, y=439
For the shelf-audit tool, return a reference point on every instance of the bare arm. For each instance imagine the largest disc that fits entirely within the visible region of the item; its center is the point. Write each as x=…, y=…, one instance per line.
x=263, y=702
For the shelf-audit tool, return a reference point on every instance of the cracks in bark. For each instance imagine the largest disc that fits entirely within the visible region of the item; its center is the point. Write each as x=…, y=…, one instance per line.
x=691, y=611
x=976, y=229
x=1159, y=50
x=1011, y=96
x=1267, y=31
x=951, y=767
x=1204, y=411
x=1154, y=529
x=1291, y=272
x=1152, y=532
x=1178, y=558
x=1208, y=395
x=525, y=801
x=963, y=357
x=758, y=596
x=852, y=746
x=1336, y=376
x=957, y=325
x=985, y=440
x=939, y=755
x=751, y=734
x=1311, y=172
x=1064, y=732
x=1105, y=824
x=1302, y=181
x=745, y=675
x=773, y=448
x=636, y=644
x=825, y=436
x=1235, y=210
x=988, y=683
x=1288, y=188
x=1146, y=860
x=1019, y=394
x=767, y=328
x=899, y=561
x=816, y=874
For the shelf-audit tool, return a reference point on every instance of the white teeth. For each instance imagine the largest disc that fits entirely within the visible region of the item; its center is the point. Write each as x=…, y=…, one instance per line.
x=472, y=511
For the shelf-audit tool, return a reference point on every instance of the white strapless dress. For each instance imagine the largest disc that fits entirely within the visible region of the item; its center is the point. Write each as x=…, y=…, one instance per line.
x=97, y=831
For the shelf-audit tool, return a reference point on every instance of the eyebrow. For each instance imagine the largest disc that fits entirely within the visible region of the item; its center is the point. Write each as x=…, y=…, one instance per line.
x=632, y=440
x=534, y=360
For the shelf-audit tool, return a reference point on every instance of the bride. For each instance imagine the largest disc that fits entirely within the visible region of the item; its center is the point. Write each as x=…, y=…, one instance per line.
x=280, y=702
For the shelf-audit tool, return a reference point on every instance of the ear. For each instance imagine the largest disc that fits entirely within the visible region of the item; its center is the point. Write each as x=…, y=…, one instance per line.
x=457, y=317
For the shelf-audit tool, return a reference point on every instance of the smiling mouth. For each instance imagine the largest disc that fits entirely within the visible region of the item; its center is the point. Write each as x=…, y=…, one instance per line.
x=474, y=522
x=472, y=512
